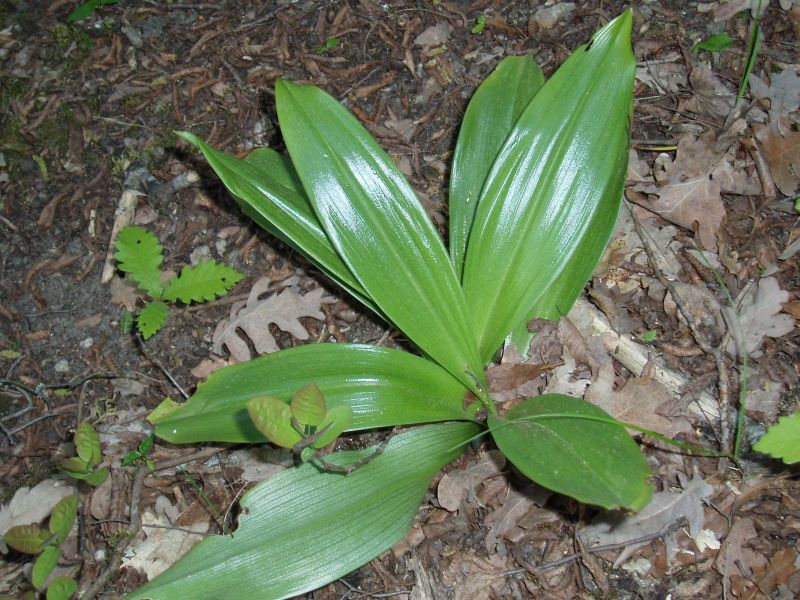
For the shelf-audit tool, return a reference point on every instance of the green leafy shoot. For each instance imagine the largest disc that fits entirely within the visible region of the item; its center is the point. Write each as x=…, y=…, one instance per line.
x=329, y=45
x=782, y=440
x=480, y=23
x=87, y=9
x=62, y=588
x=753, y=46
x=87, y=444
x=305, y=424
x=649, y=336
x=141, y=454
x=715, y=43
x=140, y=254
x=32, y=539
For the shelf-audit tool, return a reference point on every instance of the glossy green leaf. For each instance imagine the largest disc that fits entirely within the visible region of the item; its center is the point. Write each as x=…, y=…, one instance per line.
x=308, y=405
x=551, y=199
x=26, y=538
x=87, y=444
x=305, y=527
x=569, y=446
x=380, y=229
x=384, y=387
x=44, y=565
x=63, y=517
x=279, y=167
x=491, y=114
x=339, y=418
x=62, y=588
x=270, y=197
x=273, y=418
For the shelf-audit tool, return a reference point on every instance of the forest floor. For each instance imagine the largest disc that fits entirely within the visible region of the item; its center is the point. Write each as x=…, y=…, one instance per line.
x=89, y=110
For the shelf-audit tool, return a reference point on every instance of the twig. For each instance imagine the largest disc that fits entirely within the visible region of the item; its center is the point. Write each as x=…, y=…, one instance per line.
x=537, y=569
x=136, y=518
x=157, y=363
x=699, y=337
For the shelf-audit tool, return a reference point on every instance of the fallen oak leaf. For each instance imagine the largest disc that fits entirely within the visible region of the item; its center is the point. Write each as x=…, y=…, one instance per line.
x=667, y=509
x=254, y=317
x=782, y=155
x=760, y=316
x=457, y=486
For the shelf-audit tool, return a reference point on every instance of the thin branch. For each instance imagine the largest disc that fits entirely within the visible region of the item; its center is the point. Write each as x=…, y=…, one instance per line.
x=136, y=518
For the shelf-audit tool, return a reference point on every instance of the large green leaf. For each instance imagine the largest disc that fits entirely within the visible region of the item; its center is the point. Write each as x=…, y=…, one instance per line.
x=574, y=448
x=379, y=227
x=266, y=190
x=492, y=112
x=304, y=528
x=552, y=196
x=383, y=387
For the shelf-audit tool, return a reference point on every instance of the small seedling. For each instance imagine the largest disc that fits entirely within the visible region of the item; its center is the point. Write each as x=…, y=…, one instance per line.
x=649, y=336
x=480, y=23
x=329, y=45
x=716, y=43
x=83, y=466
x=782, y=440
x=32, y=539
x=87, y=9
x=141, y=454
x=140, y=254
x=305, y=425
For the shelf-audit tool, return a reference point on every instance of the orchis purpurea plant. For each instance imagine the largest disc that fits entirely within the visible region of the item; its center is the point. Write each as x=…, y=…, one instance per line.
x=537, y=180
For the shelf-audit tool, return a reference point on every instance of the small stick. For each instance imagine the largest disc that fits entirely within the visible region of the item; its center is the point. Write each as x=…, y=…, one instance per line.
x=136, y=519
x=699, y=337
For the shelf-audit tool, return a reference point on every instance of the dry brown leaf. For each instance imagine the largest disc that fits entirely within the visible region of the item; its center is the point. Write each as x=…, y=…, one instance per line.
x=688, y=192
x=641, y=401
x=736, y=557
x=760, y=316
x=254, y=317
x=162, y=547
x=782, y=153
x=781, y=568
x=473, y=577
x=664, y=77
x=711, y=96
x=782, y=96
x=509, y=517
x=456, y=487
x=435, y=35
x=125, y=292
x=32, y=505
x=666, y=509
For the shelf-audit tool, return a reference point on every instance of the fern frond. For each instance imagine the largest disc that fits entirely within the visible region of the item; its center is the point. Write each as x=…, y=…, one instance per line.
x=205, y=281
x=140, y=254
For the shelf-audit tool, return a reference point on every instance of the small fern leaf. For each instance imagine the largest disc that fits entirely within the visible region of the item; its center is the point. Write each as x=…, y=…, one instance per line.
x=782, y=440
x=140, y=253
x=205, y=281
x=152, y=318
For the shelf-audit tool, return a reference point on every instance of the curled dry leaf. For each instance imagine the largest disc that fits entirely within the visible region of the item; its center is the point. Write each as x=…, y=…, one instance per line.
x=665, y=510
x=760, y=316
x=254, y=317
x=519, y=513
x=782, y=154
x=457, y=486
x=642, y=401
